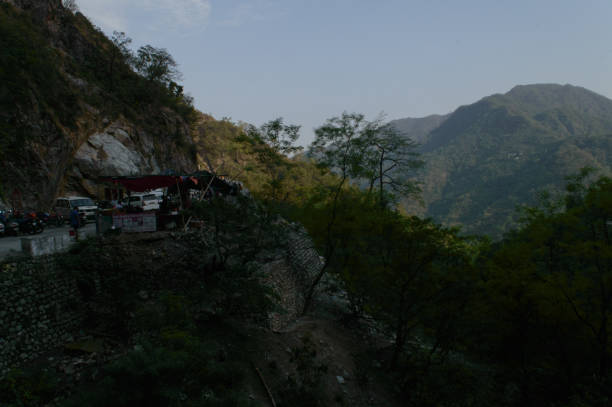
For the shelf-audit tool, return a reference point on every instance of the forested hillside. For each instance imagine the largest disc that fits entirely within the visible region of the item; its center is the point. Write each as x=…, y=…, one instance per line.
x=487, y=158
x=69, y=96
x=419, y=129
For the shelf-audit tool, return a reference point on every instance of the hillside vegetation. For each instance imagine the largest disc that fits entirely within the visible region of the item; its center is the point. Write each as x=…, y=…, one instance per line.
x=377, y=307
x=488, y=157
x=61, y=82
x=64, y=86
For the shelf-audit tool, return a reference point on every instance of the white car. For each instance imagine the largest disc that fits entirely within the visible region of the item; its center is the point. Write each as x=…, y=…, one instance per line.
x=86, y=206
x=147, y=202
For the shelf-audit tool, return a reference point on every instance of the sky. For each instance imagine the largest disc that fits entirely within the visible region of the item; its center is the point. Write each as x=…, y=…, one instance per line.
x=310, y=60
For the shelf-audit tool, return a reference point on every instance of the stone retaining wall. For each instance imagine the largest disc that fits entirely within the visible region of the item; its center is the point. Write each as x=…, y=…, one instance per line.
x=40, y=246
x=41, y=306
x=39, y=310
x=291, y=276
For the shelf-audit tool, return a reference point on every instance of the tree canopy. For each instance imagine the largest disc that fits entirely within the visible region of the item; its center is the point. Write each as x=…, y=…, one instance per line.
x=156, y=65
x=370, y=152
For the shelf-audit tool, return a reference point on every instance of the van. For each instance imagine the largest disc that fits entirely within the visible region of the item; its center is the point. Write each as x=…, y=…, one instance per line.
x=86, y=207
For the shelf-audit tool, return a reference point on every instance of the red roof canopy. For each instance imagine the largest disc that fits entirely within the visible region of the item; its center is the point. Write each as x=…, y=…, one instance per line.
x=145, y=183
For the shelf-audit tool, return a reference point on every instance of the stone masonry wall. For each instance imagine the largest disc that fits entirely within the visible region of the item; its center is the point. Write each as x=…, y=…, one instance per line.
x=291, y=276
x=38, y=310
x=305, y=261
x=41, y=306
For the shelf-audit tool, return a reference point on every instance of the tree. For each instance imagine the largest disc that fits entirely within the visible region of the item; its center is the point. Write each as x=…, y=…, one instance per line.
x=120, y=53
x=367, y=152
x=156, y=65
x=405, y=272
x=547, y=295
x=71, y=5
x=280, y=137
x=273, y=143
x=339, y=145
x=335, y=147
x=586, y=263
x=389, y=160
x=371, y=152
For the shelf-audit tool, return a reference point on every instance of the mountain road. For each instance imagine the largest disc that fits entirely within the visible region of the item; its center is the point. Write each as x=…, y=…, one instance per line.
x=11, y=245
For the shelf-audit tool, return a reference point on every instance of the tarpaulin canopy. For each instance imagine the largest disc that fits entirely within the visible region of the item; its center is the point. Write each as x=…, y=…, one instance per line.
x=144, y=183
x=196, y=180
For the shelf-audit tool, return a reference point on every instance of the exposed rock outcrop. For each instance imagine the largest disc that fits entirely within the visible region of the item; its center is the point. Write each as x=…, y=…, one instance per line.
x=64, y=123
x=115, y=152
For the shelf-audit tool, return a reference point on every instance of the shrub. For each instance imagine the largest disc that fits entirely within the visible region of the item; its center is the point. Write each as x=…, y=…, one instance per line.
x=182, y=371
x=28, y=388
x=304, y=387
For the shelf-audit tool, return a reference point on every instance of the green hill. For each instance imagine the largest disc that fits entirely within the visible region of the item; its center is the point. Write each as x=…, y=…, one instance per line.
x=488, y=157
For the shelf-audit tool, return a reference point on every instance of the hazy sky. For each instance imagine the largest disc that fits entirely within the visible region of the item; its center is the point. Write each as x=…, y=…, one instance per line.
x=308, y=60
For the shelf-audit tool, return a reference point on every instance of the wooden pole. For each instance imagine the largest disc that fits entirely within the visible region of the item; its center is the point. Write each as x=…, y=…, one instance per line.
x=265, y=385
x=201, y=198
x=178, y=190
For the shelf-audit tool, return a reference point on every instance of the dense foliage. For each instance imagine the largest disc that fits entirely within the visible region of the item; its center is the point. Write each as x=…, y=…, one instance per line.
x=545, y=298
x=29, y=75
x=525, y=321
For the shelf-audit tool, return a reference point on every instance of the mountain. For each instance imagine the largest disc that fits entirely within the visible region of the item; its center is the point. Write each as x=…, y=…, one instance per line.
x=74, y=106
x=488, y=157
x=71, y=109
x=418, y=129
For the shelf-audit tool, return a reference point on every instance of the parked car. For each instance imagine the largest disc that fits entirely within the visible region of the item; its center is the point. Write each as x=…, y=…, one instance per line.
x=159, y=193
x=50, y=219
x=11, y=227
x=87, y=208
x=145, y=202
x=1, y=229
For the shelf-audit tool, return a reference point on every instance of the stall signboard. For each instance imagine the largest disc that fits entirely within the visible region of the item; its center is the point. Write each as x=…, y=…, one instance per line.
x=135, y=222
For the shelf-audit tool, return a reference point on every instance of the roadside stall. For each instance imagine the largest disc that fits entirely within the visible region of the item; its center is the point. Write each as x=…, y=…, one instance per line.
x=130, y=217
x=179, y=192
x=133, y=214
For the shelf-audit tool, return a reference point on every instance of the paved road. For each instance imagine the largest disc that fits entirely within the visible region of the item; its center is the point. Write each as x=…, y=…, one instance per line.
x=12, y=244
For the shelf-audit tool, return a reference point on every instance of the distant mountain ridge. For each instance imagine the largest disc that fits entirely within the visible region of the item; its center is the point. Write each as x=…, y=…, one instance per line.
x=419, y=129
x=485, y=158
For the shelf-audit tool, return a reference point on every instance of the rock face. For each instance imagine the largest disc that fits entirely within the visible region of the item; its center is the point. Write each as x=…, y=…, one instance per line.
x=112, y=152
x=40, y=9
x=65, y=120
x=104, y=153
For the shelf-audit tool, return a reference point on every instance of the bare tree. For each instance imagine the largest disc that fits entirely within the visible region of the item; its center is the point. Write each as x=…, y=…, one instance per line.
x=70, y=5
x=119, y=53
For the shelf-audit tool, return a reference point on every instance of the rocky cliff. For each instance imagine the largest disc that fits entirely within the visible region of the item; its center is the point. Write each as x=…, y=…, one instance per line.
x=70, y=112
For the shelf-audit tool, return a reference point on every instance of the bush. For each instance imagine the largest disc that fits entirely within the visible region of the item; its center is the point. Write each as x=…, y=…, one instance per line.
x=181, y=371
x=239, y=233
x=304, y=387
x=28, y=388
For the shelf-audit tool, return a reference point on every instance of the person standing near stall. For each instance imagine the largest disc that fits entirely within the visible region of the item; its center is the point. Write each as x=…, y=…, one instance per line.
x=75, y=221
